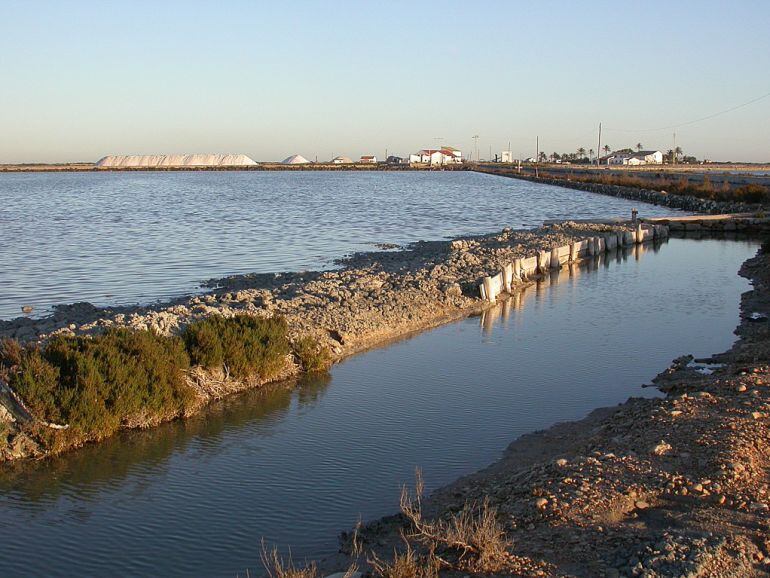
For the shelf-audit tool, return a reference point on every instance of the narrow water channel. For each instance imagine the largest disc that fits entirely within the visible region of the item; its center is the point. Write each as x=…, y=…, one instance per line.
x=298, y=466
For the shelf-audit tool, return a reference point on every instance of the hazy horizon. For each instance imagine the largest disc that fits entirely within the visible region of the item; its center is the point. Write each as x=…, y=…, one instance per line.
x=86, y=79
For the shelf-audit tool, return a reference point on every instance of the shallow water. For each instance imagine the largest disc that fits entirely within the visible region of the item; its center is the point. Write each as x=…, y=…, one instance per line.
x=122, y=238
x=298, y=466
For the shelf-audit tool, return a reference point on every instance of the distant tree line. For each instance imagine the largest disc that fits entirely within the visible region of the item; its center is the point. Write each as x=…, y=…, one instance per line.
x=583, y=156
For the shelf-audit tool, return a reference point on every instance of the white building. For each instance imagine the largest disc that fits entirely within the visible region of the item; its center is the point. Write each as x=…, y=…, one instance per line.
x=342, y=161
x=636, y=159
x=368, y=160
x=437, y=157
x=506, y=157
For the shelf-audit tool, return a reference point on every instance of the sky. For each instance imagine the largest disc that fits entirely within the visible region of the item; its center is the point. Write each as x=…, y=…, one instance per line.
x=83, y=79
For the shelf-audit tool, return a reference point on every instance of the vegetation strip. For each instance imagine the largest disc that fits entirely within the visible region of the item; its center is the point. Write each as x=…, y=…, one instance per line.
x=681, y=194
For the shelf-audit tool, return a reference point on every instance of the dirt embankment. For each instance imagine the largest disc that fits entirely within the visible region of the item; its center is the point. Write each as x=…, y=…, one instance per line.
x=676, y=486
x=371, y=299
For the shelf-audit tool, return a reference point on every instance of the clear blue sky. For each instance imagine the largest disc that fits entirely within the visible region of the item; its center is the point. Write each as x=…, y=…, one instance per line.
x=81, y=79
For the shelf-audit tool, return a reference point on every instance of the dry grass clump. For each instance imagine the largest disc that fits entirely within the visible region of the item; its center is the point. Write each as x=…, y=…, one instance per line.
x=472, y=539
x=406, y=565
x=277, y=567
x=314, y=355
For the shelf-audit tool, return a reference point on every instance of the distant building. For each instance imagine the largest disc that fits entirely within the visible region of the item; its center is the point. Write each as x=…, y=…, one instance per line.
x=506, y=157
x=635, y=159
x=437, y=157
x=394, y=160
x=342, y=161
x=295, y=160
x=368, y=159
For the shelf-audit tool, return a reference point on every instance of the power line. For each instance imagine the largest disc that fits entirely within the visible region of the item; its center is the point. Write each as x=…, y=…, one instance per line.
x=689, y=122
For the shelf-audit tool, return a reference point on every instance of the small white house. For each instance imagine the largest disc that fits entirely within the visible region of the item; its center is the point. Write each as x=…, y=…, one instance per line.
x=368, y=160
x=506, y=157
x=636, y=159
x=342, y=161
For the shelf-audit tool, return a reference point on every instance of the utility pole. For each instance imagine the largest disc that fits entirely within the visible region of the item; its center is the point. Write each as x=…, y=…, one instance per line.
x=490, y=152
x=673, y=151
x=537, y=155
x=476, y=145
x=599, y=146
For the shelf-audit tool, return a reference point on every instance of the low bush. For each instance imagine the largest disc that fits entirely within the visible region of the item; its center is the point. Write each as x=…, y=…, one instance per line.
x=96, y=385
x=314, y=356
x=245, y=347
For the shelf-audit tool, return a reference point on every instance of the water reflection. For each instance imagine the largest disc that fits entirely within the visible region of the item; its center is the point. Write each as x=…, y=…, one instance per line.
x=85, y=473
x=568, y=273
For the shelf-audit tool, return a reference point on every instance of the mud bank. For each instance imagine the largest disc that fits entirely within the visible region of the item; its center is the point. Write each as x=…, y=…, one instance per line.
x=371, y=299
x=673, y=486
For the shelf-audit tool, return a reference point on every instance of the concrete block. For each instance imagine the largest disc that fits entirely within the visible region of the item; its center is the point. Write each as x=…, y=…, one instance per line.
x=554, y=262
x=517, y=272
x=508, y=277
x=573, y=252
x=543, y=261
x=489, y=292
x=528, y=267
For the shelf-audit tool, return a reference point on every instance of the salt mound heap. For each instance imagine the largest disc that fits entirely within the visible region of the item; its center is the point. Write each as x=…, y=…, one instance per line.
x=150, y=161
x=295, y=160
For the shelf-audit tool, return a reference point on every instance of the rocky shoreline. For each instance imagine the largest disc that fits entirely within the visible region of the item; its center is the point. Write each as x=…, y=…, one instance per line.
x=673, y=486
x=373, y=298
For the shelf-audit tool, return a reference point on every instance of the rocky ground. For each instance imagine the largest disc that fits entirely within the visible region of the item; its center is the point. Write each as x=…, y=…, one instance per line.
x=370, y=299
x=674, y=486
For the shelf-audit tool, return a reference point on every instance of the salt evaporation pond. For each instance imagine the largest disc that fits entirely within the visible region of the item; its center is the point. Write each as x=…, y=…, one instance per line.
x=135, y=237
x=296, y=467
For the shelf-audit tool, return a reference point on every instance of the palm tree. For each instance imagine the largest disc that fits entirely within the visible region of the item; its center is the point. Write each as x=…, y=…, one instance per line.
x=590, y=154
x=670, y=156
x=607, y=149
x=678, y=153
x=581, y=152
x=639, y=147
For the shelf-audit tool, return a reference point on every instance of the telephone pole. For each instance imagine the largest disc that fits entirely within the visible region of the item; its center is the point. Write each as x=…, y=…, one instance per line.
x=476, y=145
x=537, y=155
x=673, y=151
x=599, y=149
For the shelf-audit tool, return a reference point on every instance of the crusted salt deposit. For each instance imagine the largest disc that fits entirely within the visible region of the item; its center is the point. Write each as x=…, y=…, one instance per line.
x=199, y=160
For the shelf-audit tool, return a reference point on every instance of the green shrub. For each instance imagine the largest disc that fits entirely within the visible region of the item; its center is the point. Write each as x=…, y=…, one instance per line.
x=96, y=385
x=314, y=356
x=245, y=346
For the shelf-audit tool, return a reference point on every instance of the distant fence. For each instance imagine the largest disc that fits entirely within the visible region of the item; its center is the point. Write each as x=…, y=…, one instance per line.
x=524, y=269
